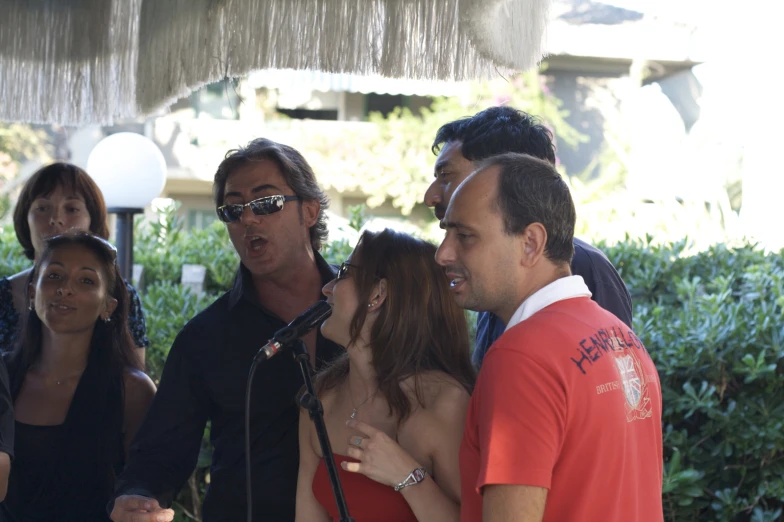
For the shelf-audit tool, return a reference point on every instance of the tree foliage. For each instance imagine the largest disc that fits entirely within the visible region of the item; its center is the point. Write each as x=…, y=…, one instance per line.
x=390, y=157
x=18, y=142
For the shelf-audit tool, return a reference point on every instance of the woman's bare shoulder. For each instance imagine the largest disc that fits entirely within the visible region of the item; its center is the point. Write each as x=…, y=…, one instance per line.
x=438, y=391
x=137, y=383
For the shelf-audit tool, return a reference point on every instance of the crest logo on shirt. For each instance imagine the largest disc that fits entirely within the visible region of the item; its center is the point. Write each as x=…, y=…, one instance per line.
x=632, y=387
x=638, y=401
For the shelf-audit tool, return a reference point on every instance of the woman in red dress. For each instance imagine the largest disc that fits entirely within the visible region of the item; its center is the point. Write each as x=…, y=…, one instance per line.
x=395, y=402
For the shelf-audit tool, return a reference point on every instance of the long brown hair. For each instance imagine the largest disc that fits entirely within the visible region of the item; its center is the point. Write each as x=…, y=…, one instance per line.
x=113, y=337
x=98, y=416
x=419, y=327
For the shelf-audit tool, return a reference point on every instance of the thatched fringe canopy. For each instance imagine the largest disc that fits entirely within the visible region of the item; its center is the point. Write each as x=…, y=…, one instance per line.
x=93, y=61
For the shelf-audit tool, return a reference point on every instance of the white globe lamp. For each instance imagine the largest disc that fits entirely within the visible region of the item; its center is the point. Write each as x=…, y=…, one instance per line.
x=130, y=171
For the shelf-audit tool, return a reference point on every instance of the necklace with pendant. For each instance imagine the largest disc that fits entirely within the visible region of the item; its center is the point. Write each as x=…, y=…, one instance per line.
x=354, y=411
x=61, y=380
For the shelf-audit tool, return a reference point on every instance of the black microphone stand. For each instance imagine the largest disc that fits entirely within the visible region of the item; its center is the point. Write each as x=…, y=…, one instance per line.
x=316, y=410
x=310, y=402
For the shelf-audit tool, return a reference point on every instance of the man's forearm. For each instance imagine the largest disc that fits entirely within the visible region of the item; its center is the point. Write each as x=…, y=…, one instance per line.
x=513, y=503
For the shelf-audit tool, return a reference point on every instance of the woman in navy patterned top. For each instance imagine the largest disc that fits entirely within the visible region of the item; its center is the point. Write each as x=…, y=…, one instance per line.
x=57, y=198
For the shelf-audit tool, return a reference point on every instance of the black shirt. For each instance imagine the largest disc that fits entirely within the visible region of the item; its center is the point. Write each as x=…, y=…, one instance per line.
x=204, y=378
x=6, y=413
x=66, y=472
x=606, y=286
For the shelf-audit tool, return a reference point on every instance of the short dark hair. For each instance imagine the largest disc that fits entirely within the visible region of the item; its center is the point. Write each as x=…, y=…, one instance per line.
x=294, y=169
x=530, y=190
x=44, y=182
x=498, y=130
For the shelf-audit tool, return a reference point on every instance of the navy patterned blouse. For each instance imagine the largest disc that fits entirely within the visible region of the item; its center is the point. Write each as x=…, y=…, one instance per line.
x=9, y=317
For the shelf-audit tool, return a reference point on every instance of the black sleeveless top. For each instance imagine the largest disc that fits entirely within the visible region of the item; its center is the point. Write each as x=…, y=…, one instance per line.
x=66, y=473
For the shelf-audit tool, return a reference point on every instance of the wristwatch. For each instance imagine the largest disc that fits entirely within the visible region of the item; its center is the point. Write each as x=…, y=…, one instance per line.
x=415, y=477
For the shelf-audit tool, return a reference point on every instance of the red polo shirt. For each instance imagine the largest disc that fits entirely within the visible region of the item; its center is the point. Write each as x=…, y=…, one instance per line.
x=568, y=400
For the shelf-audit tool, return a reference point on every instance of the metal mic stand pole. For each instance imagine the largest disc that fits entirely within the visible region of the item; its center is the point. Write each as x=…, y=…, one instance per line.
x=310, y=402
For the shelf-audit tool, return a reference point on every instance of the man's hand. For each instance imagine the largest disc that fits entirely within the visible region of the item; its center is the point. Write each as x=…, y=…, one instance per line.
x=135, y=508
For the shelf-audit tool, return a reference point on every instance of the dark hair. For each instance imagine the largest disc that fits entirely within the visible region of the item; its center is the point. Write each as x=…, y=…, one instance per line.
x=530, y=190
x=44, y=182
x=419, y=327
x=498, y=130
x=294, y=169
x=98, y=415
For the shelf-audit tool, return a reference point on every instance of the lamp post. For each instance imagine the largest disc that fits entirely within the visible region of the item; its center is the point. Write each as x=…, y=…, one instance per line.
x=130, y=171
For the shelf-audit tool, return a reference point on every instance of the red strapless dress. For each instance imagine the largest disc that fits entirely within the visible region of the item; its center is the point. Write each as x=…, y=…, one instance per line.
x=367, y=500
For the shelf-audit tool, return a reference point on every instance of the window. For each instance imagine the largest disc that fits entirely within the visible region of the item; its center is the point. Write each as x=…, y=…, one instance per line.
x=200, y=219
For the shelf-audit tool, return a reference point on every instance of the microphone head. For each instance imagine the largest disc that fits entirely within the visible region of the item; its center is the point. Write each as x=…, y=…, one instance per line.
x=320, y=311
x=304, y=323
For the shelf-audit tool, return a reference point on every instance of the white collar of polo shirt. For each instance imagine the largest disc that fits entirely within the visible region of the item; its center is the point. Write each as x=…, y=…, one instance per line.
x=559, y=290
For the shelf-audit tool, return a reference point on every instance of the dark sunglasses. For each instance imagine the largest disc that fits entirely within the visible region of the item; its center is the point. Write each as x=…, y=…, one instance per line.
x=260, y=207
x=343, y=271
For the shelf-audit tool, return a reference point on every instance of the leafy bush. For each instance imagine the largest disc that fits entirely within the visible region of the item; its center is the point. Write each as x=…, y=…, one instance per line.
x=12, y=258
x=712, y=323
x=167, y=308
x=163, y=247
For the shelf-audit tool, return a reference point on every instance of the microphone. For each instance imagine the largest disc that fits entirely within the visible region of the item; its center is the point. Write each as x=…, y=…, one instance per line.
x=306, y=321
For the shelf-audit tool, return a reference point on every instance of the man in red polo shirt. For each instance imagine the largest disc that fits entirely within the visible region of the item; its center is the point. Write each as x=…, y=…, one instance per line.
x=565, y=420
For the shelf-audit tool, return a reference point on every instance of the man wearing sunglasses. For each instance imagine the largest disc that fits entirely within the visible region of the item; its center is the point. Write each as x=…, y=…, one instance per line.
x=267, y=195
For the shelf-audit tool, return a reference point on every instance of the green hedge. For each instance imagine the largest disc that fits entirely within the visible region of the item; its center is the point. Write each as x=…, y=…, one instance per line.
x=712, y=322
